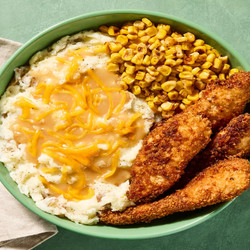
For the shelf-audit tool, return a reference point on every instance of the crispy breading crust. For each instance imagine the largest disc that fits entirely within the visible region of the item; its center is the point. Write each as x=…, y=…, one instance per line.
x=233, y=140
x=172, y=144
x=221, y=182
x=224, y=100
x=165, y=153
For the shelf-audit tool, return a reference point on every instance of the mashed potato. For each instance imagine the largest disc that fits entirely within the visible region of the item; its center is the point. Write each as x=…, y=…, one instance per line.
x=37, y=172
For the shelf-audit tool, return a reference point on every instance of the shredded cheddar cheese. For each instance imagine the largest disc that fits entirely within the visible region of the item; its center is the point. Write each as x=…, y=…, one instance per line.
x=80, y=124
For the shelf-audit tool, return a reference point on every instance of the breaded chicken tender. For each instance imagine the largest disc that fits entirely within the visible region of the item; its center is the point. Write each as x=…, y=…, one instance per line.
x=169, y=147
x=233, y=140
x=224, y=100
x=165, y=153
x=220, y=182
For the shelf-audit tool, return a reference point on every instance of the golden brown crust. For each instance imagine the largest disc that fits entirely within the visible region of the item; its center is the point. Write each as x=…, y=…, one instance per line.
x=233, y=140
x=223, y=100
x=165, y=153
x=221, y=182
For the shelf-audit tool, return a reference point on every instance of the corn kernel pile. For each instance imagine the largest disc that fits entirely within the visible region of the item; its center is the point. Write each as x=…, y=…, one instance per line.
x=164, y=67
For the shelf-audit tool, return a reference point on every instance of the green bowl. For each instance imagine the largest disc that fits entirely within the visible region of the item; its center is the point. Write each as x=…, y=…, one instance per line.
x=170, y=224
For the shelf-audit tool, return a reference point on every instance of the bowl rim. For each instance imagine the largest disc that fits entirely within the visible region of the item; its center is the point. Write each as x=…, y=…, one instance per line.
x=72, y=227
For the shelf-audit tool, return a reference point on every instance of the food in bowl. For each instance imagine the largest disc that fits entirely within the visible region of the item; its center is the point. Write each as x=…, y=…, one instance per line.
x=70, y=129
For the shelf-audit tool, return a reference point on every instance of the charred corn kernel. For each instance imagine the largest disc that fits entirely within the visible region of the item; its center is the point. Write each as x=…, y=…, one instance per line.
x=216, y=52
x=186, y=75
x=187, y=68
x=123, y=31
x=152, y=71
x=157, y=100
x=182, y=106
x=147, y=22
x=173, y=95
x=140, y=75
x=195, y=70
x=136, y=90
x=179, y=86
x=133, y=46
x=170, y=62
x=124, y=74
x=204, y=75
x=132, y=30
x=121, y=68
x=225, y=68
x=114, y=46
x=123, y=85
x=129, y=79
x=164, y=70
x=144, y=39
x=103, y=29
x=113, y=67
x=200, y=49
x=141, y=48
x=179, y=52
x=180, y=39
x=139, y=24
x=217, y=63
x=127, y=55
x=198, y=42
x=186, y=46
x=146, y=60
x=148, y=78
x=152, y=106
x=161, y=34
x=168, y=86
x=116, y=58
x=189, y=89
x=233, y=71
x=168, y=114
x=222, y=76
x=206, y=65
x=123, y=40
x=122, y=51
x=130, y=69
x=143, y=84
x=179, y=68
x=169, y=41
x=194, y=96
x=151, y=31
x=176, y=105
x=199, y=84
x=132, y=37
x=186, y=101
x=183, y=93
x=137, y=58
x=140, y=67
x=190, y=37
x=113, y=31
x=152, y=39
x=167, y=106
x=141, y=33
x=155, y=86
x=187, y=83
x=154, y=60
x=155, y=45
x=224, y=59
x=214, y=77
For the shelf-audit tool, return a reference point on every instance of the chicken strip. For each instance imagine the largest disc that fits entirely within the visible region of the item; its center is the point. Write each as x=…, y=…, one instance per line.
x=169, y=147
x=233, y=140
x=224, y=100
x=165, y=153
x=220, y=182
